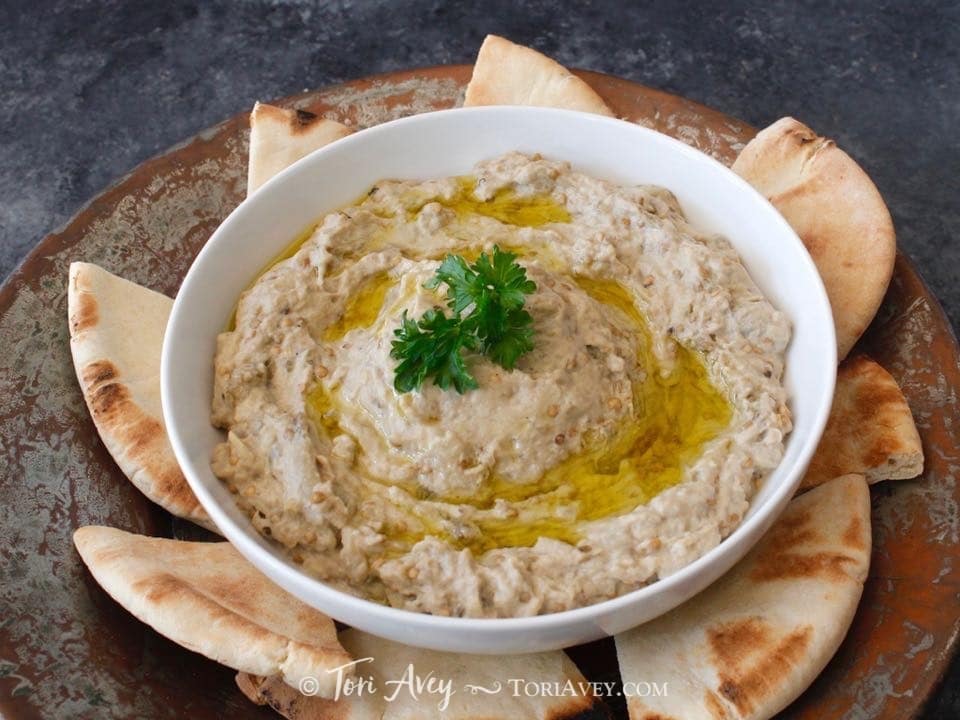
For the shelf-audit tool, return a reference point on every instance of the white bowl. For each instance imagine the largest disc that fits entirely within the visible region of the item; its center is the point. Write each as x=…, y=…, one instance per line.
x=449, y=143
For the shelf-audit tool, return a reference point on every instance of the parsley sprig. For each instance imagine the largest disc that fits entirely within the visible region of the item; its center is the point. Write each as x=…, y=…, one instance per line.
x=430, y=347
x=486, y=299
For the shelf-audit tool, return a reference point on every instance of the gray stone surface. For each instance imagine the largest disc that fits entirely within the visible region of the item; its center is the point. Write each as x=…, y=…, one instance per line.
x=90, y=89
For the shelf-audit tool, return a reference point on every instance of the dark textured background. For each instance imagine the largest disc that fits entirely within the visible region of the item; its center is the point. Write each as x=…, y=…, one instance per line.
x=88, y=90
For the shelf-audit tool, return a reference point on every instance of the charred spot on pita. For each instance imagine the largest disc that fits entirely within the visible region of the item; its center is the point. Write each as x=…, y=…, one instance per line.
x=303, y=118
x=85, y=315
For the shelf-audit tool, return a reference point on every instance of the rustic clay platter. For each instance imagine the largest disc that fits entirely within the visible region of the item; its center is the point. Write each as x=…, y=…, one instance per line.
x=67, y=650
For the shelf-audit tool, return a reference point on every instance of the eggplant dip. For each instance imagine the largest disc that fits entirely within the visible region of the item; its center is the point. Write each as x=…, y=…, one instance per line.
x=518, y=392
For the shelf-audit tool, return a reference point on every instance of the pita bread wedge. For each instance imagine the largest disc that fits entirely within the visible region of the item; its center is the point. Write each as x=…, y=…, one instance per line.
x=116, y=335
x=509, y=74
x=836, y=210
x=394, y=662
x=209, y=599
x=870, y=429
x=279, y=137
x=749, y=644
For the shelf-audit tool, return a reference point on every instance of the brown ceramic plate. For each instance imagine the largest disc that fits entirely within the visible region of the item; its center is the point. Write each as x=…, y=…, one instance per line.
x=67, y=650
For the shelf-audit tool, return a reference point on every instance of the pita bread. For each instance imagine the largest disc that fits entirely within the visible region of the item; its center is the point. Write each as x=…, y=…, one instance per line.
x=509, y=74
x=749, y=644
x=870, y=429
x=391, y=662
x=207, y=598
x=116, y=334
x=836, y=210
x=279, y=137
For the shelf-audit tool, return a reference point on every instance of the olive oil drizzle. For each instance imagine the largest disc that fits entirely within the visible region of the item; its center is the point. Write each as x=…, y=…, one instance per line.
x=506, y=205
x=362, y=307
x=675, y=413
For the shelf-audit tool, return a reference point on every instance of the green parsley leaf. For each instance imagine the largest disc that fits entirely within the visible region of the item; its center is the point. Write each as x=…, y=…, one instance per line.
x=515, y=339
x=503, y=279
x=431, y=348
x=493, y=290
x=462, y=282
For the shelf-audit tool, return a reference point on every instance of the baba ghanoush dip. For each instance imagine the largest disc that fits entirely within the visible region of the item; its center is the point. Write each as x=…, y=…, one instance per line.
x=626, y=444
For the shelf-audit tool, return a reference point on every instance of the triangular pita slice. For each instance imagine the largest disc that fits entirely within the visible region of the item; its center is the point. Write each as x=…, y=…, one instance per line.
x=749, y=644
x=870, y=429
x=116, y=335
x=836, y=210
x=393, y=662
x=509, y=74
x=279, y=137
x=209, y=599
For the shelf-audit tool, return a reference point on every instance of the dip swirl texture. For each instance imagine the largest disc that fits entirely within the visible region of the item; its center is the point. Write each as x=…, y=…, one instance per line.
x=624, y=446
